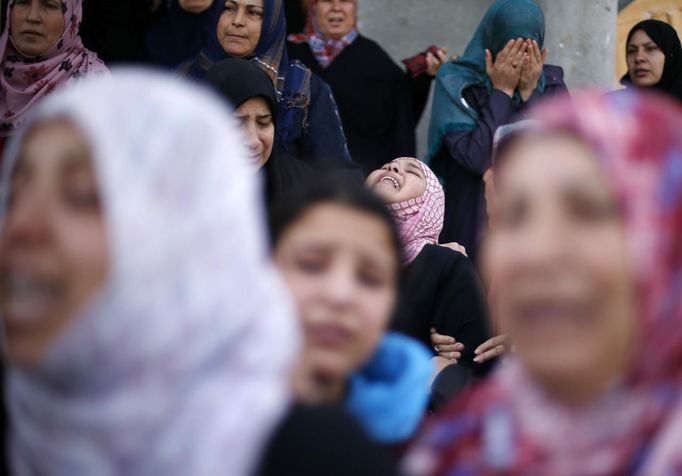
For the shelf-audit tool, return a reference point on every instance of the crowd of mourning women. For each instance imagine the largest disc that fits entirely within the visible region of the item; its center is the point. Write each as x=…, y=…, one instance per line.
x=223, y=258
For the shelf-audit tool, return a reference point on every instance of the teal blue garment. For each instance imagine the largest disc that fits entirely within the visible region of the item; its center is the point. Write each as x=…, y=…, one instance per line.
x=389, y=395
x=505, y=20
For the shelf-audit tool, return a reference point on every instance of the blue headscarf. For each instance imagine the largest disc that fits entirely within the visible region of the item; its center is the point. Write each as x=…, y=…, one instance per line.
x=389, y=395
x=178, y=36
x=291, y=80
x=505, y=20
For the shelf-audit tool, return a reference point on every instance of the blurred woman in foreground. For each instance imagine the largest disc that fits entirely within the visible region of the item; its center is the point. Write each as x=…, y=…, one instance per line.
x=586, y=258
x=135, y=288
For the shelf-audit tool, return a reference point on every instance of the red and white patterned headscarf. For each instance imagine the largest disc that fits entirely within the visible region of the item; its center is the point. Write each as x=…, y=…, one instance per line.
x=325, y=49
x=509, y=425
x=420, y=220
x=24, y=81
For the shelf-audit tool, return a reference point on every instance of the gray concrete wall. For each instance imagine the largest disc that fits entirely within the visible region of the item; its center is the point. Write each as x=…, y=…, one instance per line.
x=580, y=34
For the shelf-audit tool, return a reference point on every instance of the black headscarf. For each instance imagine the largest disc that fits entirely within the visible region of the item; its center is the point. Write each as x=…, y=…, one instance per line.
x=238, y=80
x=667, y=40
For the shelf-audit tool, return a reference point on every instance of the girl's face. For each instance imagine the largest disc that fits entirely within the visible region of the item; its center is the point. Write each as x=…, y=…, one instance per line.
x=398, y=181
x=239, y=27
x=560, y=264
x=53, y=250
x=36, y=26
x=335, y=18
x=341, y=266
x=645, y=60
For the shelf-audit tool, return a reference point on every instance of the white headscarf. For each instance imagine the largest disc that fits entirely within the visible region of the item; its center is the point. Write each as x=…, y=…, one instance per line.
x=180, y=365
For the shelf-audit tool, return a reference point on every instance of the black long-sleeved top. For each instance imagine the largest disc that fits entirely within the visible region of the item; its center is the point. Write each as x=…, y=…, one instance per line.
x=467, y=155
x=323, y=440
x=374, y=100
x=442, y=290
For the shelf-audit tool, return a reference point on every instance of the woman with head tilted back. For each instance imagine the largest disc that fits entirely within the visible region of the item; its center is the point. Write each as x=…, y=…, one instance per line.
x=308, y=124
x=40, y=50
x=501, y=72
x=586, y=260
x=374, y=95
x=135, y=288
x=442, y=293
x=654, y=58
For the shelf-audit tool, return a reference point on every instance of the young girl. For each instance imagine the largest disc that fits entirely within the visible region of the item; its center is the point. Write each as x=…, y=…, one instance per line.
x=339, y=251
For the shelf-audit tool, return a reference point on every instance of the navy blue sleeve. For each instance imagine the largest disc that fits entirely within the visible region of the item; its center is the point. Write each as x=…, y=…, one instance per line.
x=473, y=150
x=323, y=142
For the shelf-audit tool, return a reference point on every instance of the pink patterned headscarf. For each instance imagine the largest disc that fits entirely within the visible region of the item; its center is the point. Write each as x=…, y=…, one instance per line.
x=324, y=49
x=24, y=81
x=420, y=220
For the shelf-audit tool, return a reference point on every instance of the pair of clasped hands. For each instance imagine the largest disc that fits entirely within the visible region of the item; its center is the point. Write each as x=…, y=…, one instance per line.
x=517, y=66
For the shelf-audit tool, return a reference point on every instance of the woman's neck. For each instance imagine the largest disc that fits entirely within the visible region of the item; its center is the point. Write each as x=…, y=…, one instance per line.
x=318, y=390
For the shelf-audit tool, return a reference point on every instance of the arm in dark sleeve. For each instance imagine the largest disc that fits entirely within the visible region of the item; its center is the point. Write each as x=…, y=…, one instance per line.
x=404, y=140
x=420, y=87
x=461, y=310
x=473, y=150
x=323, y=142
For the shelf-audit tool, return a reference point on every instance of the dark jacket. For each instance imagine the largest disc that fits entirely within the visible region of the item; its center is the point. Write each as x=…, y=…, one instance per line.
x=374, y=99
x=323, y=441
x=442, y=290
x=467, y=155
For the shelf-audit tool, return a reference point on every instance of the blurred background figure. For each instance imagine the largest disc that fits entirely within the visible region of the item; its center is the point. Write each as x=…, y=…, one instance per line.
x=501, y=72
x=377, y=100
x=243, y=84
x=116, y=29
x=308, y=124
x=40, y=51
x=296, y=13
x=654, y=58
x=133, y=334
x=339, y=251
x=586, y=259
x=179, y=32
x=441, y=293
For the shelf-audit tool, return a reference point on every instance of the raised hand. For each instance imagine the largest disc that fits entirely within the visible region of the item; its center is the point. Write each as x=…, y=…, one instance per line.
x=531, y=70
x=435, y=61
x=505, y=71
